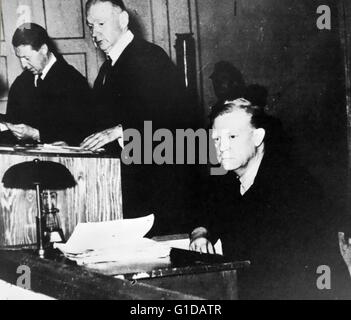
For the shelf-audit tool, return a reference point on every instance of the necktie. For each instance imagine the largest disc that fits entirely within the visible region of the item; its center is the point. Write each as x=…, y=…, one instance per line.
x=237, y=185
x=107, y=69
x=39, y=81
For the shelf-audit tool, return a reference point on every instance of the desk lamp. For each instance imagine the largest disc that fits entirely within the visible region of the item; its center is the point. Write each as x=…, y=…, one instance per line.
x=40, y=175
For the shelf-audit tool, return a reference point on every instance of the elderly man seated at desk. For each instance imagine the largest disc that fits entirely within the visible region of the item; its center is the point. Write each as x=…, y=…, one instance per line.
x=269, y=211
x=50, y=100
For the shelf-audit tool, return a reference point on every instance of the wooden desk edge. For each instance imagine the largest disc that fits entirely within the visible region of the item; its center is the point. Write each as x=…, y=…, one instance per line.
x=74, y=283
x=58, y=154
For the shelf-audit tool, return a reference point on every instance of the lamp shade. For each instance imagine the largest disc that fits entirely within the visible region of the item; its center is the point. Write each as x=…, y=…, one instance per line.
x=47, y=174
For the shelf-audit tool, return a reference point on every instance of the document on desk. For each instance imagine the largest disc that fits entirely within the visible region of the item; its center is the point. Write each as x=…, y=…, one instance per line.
x=52, y=148
x=113, y=241
x=6, y=148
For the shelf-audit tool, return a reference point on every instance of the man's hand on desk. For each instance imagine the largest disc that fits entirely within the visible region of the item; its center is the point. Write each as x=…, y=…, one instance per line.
x=100, y=139
x=199, y=242
x=23, y=131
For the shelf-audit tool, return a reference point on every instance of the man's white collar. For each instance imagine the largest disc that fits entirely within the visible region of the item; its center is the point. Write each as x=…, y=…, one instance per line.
x=51, y=62
x=119, y=47
x=47, y=68
x=248, y=178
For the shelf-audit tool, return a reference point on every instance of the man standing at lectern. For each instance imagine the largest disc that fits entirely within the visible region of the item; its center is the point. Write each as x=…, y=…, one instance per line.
x=138, y=82
x=49, y=101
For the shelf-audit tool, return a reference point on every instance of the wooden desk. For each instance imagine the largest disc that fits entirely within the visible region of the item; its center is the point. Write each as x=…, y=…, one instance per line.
x=215, y=280
x=62, y=281
x=206, y=276
x=70, y=282
x=96, y=197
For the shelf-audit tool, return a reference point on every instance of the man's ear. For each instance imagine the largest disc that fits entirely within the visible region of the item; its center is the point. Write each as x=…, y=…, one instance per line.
x=124, y=20
x=258, y=136
x=44, y=49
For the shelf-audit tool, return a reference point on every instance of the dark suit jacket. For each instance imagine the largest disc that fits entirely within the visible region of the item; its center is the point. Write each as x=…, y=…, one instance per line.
x=284, y=226
x=144, y=85
x=58, y=107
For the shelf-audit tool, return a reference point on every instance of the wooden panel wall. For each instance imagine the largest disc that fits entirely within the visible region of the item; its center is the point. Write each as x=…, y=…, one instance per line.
x=65, y=18
x=158, y=21
x=96, y=197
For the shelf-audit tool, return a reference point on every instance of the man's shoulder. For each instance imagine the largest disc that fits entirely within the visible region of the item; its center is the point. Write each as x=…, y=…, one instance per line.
x=66, y=73
x=142, y=44
x=280, y=167
x=225, y=180
x=24, y=80
x=146, y=60
x=143, y=50
x=25, y=76
x=62, y=65
x=287, y=183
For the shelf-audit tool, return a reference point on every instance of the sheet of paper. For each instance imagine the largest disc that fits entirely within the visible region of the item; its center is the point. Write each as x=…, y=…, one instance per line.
x=3, y=127
x=120, y=241
x=101, y=235
x=50, y=148
x=125, y=252
x=6, y=148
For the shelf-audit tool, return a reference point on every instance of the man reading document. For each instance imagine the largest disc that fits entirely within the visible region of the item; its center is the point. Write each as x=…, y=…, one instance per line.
x=49, y=100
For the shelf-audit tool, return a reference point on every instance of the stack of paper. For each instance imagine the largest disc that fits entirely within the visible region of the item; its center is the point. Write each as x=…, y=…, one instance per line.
x=113, y=241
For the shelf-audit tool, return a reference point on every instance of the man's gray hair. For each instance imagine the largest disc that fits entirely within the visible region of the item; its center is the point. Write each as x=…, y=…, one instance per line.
x=116, y=3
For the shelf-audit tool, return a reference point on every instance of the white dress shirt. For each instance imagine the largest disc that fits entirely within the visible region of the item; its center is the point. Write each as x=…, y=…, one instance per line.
x=248, y=178
x=51, y=62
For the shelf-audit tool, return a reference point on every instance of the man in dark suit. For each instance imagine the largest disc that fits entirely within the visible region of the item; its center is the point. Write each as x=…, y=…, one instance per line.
x=49, y=101
x=138, y=82
x=270, y=212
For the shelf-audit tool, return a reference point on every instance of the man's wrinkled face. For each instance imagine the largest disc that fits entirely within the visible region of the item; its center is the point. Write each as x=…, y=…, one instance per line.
x=233, y=136
x=30, y=59
x=104, y=23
